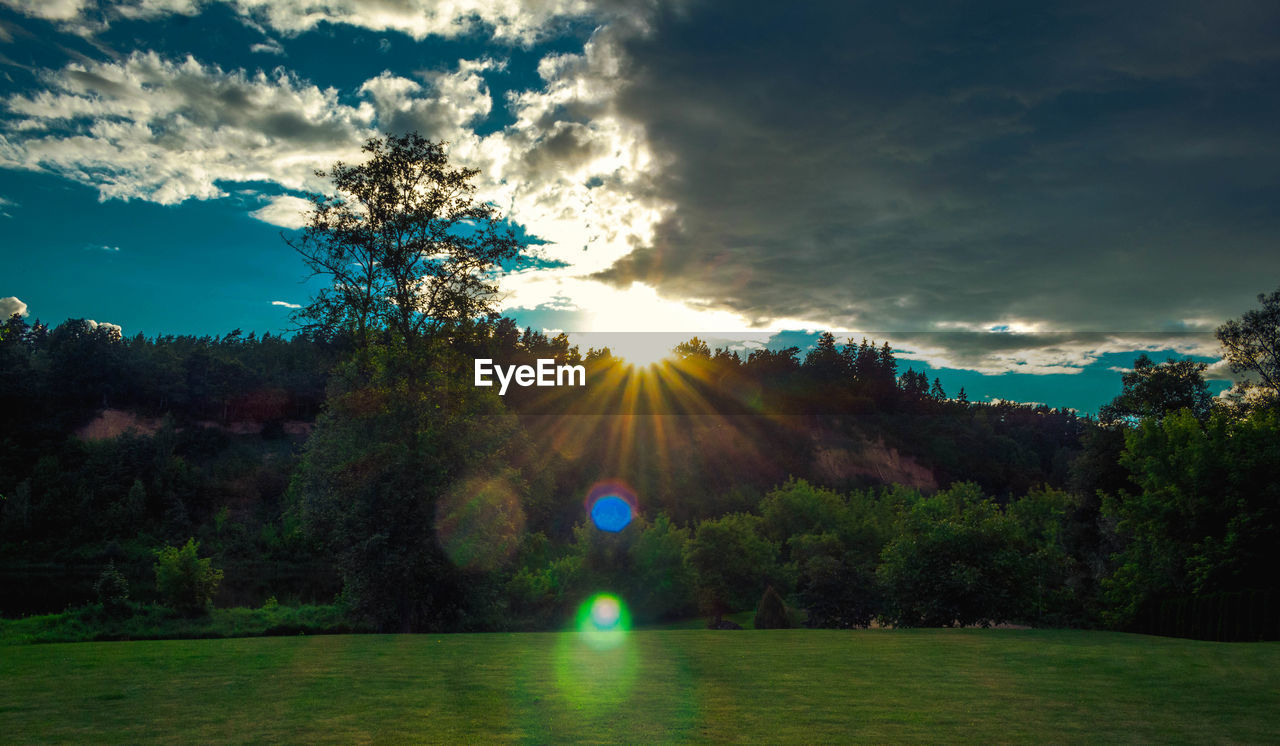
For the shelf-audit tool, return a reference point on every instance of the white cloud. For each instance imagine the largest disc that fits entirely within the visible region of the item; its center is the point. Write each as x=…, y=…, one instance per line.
x=270, y=46
x=285, y=304
x=11, y=305
x=284, y=211
x=514, y=21
x=571, y=169
x=50, y=10
x=510, y=21
x=1045, y=353
x=166, y=131
x=116, y=328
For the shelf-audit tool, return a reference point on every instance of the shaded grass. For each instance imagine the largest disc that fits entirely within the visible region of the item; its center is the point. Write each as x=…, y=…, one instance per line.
x=659, y=686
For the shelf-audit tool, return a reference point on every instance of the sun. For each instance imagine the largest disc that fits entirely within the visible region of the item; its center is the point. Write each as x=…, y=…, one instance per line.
x=641, y=350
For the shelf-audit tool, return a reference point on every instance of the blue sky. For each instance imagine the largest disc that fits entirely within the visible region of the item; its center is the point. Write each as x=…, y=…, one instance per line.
x=1020, y=198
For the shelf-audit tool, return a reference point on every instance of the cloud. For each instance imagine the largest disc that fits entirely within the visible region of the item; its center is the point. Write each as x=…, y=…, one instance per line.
x=11, y=305
x=285, y=304
x=899, y=171
x=443, y=108
x=510, y=21
x=284, y=211
x=113, y=328
x=104, y=247
x=50, y=10
x=270, y=46
x=166, y=131
x=570, y=168
x=1043, y=353
x=1023, y=192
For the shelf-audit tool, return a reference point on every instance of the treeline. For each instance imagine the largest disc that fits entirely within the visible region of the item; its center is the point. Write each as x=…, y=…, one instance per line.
x=71, y=504
x=1050, y=518
x=851, y=489
x=62, y=377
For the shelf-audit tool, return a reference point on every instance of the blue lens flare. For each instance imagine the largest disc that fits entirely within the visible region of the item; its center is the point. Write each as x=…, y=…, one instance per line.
x=611, y=513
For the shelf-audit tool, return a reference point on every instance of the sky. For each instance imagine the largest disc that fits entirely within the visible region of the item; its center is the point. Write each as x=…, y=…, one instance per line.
x=1020, y=197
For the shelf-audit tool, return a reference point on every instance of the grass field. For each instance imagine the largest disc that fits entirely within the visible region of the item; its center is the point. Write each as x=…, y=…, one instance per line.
x=659, y=686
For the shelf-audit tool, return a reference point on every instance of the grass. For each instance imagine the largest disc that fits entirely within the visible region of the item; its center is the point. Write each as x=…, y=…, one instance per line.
x=659, y=686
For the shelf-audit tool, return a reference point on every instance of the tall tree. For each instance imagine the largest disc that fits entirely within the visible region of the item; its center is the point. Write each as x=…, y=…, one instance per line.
x=1205, y=515
x=407, y=246
x=1252, y=342
x=1152, y=390
x=410, y=253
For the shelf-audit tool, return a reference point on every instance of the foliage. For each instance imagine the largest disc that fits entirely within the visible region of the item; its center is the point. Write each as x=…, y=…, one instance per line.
x=662, y=583
x=186, y=582
x=112, y=590
x=92, y=623
x=772, y=612
x=732, y=563
x=1204, y=516
x=956, y=560
x=374, y=470
x=404, y=242
x=1252, y=342
x=1154, y=391
x=831, y=546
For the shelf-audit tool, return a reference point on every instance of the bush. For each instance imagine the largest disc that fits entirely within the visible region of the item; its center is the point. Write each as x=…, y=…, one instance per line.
x=772, y=613
x=112, y=590
x=186, y=583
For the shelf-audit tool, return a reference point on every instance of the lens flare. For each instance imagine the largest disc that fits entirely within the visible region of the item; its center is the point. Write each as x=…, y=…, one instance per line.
x=479, y=522
x=611, y=513
x=603, y=621
x=611, y=506
x=605, y=611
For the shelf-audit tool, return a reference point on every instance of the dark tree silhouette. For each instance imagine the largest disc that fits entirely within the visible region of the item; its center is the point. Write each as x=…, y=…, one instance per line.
x=1152, y=390
x=407, y=246
x=1252, y=342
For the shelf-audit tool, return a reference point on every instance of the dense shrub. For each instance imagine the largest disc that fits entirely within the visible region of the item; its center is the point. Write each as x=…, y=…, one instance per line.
x=957, y=560
x=112, y=590
x=772, y=612
x=186, y=583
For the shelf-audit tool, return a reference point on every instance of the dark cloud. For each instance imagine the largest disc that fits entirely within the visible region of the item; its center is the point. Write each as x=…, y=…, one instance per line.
x=893, y=168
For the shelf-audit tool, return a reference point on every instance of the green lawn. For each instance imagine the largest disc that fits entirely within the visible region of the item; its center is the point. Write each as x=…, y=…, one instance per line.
x=671, y=685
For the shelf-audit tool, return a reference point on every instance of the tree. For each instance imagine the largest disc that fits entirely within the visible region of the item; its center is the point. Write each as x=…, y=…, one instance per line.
x=381, y=460
x=185, y=581
x=957, y=560
x=112, y=590
x=662, y=582
x=405, y=243
x=824, y=361
x=732, y=563
x=1204, y=517
x=1252, y=342
x=772, y=612
x=694, y=348
x=411, y=255
x=1155, y=391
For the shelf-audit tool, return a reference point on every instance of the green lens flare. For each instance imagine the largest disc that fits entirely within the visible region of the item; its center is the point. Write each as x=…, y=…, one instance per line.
x=603, y=621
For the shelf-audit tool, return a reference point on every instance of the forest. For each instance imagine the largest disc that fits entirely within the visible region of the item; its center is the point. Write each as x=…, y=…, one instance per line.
x=352, y=465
